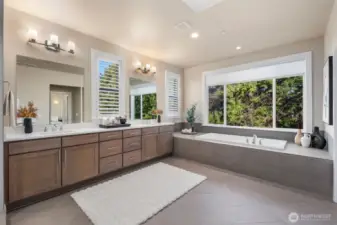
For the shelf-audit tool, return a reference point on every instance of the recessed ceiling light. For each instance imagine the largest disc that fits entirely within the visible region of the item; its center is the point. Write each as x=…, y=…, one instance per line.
x=201, y=5
x=194, y=35
x=238, y=47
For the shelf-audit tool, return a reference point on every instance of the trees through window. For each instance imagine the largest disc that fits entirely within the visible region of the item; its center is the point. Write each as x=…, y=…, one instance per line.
x=251, y=104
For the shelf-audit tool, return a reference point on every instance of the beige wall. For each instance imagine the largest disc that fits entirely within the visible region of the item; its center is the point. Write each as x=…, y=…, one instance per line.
x=330, y=45
x=330, y=49
x=193, y=76
x=15, y=43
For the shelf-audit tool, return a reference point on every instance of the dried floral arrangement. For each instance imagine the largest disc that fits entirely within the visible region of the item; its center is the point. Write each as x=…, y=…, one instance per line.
x=29, y=111
x=157, y=112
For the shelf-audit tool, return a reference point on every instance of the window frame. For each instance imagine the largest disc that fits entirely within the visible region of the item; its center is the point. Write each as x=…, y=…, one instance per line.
x=167, y=113
x=97, y=56
x=143, y=89
x=307, y=89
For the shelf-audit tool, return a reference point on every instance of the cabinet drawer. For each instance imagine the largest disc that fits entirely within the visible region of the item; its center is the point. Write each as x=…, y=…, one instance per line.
x=79, y=140
x=108, y=148
x=33, y=146
x=132, y=133
x=111, y=163
x=110, y=136
x=164, y=129
x=130, y=144
x=150, y=130
x=132, y=158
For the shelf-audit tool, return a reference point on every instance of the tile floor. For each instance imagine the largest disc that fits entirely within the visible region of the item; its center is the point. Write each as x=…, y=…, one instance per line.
x=225, y=198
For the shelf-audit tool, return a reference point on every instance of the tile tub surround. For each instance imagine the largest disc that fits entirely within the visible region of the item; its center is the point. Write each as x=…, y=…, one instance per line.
x=280, y=135
x=16, y=134
x=306, y=169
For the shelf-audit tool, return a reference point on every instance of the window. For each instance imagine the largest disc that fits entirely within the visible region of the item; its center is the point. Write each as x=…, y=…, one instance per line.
x=143, y=99
x=107, y=83
x=143, y=106
x=274, y=96
x=172, y=94
x=108, y=88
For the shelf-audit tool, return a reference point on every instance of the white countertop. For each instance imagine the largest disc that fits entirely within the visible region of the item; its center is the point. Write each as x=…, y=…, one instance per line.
x=18, y=135
x=291, y=148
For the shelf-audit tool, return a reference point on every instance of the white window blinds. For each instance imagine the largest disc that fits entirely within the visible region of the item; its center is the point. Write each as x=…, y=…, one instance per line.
x=109, y=88
x=172, y=94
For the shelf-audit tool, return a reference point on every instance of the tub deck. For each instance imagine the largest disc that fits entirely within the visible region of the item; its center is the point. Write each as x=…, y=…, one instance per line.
x=307, y=169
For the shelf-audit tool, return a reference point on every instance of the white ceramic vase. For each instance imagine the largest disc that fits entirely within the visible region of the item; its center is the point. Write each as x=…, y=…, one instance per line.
x=306, y=140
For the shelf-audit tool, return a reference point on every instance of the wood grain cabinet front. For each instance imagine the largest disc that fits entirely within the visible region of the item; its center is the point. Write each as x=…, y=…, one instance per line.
x=149, y=147
x=33, y=173
x=109, y=148
x=79, y=140
x=132, y=158
x=132, y=133
x=79, y=163
x=164, y=144
x=110, y=136
x=131, y=144
x=111, y=163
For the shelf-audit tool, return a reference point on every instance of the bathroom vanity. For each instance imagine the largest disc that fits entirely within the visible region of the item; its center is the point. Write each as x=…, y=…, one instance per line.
x=40, y=168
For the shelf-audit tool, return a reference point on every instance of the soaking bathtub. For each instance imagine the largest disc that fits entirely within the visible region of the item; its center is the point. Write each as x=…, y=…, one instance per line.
x=263, y=143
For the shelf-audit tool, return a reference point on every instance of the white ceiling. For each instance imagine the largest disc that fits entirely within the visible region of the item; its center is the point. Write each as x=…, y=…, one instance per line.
x=147, y=26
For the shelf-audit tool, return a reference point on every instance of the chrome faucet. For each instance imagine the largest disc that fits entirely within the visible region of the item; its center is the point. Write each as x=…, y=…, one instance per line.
x=254, y=139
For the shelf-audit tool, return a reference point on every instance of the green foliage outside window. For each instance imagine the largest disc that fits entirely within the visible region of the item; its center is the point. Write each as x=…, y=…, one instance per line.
x=149, y=104
x=250, y=104
x=289, y=102
x=137, y=107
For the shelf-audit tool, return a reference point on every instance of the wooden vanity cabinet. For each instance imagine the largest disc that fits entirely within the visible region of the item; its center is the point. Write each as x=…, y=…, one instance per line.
x=165, y=140
x=149, y=147
x=35, y=167
x=79, y=163
x=33, y=173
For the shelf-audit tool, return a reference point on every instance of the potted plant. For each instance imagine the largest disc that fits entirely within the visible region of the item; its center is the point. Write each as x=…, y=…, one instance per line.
x=190, y=116
x=27, y=113
x=158, y=113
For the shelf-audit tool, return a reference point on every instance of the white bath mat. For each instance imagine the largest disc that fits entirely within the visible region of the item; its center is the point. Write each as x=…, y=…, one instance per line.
x=134, y=198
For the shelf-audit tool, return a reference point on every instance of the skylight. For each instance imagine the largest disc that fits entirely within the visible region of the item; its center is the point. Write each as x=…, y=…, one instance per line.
x=201, y=5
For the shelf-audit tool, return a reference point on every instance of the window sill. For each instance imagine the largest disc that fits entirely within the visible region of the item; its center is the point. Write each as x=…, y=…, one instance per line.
x=252, y=128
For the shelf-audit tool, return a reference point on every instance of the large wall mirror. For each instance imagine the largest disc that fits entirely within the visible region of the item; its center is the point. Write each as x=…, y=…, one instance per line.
x=55, y=89
x=143, y=99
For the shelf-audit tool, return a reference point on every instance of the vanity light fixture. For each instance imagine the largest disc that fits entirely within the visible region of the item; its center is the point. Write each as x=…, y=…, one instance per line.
x=52, y=44
x=147, y=69
x=238, y=47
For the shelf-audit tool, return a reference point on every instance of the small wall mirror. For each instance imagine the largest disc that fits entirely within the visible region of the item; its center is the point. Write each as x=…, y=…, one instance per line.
x=143, y=99
x=55, y=89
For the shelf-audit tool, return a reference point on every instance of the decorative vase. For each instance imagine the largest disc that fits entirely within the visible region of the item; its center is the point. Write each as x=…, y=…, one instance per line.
x=159, y=119
x=317, y=140
x=27, y=122
x=306, y=140
x=192, y=127
x=298, y=137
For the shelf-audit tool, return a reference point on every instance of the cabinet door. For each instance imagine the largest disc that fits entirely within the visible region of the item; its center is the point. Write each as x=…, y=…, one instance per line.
x=165, y=143
x=149, y=147
x=34, y=173
x=79, y=163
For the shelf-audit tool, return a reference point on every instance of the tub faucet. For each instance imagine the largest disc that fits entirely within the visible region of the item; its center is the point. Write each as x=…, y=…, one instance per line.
x=254, y=139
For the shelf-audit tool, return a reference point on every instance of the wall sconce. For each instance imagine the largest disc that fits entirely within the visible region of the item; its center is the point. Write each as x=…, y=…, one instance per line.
x=147, y=69
x=52, y=44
